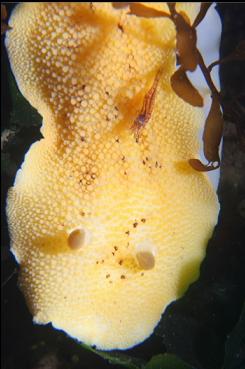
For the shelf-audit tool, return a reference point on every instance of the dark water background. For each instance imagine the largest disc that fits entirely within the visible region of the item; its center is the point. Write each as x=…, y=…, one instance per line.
x=195, y=327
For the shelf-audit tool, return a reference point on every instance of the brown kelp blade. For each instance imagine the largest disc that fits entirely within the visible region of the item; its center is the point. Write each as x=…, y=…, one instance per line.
x=172, y=9
x=200, y=167
x=213, y=131
x=3, y=12
x=120, y=5
x=4, y=26
x=186, y=43
x=141, y=10
x=203, y=11
x=237, y=54
x=184, y=89
x=144, y=11
x=186, y=39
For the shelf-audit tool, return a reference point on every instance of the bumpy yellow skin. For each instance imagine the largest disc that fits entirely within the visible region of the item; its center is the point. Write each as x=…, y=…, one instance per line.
x=86, y=69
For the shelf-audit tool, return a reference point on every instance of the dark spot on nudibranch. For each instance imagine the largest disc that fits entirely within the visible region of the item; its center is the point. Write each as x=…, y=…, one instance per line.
x=91, y=6
x=123, y=276
x=123, y=158
x=143, y=162
x=117, y=140
x=115, y=248
x=127, y=233
x=107, y=275
x=120, y=262
x=120, y=27
x=143, y=220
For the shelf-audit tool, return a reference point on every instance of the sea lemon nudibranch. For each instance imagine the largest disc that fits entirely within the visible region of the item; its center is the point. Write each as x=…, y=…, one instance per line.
x=108, y=230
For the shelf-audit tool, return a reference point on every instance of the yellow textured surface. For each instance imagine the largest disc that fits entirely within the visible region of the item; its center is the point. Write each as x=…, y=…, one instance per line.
x=86, y=70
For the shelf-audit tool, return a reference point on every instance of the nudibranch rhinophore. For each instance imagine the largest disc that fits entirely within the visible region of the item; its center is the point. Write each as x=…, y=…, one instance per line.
x=108, y=229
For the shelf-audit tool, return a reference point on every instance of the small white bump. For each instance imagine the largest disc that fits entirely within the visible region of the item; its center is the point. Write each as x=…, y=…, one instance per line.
x=146, y=260
x=145, y=255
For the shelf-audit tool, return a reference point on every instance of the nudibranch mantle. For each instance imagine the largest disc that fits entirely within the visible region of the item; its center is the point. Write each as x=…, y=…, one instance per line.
x=89, y=195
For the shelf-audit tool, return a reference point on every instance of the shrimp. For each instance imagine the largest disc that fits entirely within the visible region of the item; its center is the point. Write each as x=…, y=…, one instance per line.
x=147, y=107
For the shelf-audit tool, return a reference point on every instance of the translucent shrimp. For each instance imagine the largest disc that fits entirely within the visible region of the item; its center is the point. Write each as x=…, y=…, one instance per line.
x=148, y=104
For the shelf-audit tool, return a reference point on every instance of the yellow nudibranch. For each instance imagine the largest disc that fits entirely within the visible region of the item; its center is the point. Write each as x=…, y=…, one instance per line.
x=108, y=229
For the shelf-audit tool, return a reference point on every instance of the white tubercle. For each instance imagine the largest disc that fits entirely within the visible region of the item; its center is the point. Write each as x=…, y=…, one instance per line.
x=78, y=238
x=208, y=43
x=145, y=255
